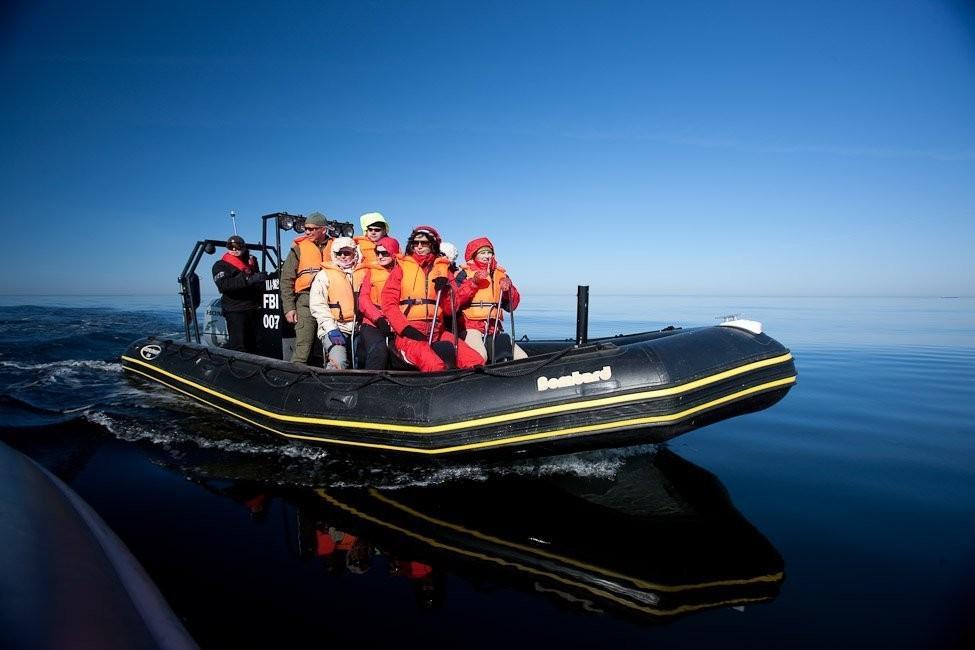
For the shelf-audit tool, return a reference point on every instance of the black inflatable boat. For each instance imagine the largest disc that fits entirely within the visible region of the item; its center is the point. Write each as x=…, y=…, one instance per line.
x=643, y=388
x=576, y=393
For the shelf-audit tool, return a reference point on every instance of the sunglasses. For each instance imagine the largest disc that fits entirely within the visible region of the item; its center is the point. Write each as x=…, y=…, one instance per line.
x=346, y=252
x=383, y=253
x=312, y=228
x=375, y=229
x=421, y=242
x=234, y=248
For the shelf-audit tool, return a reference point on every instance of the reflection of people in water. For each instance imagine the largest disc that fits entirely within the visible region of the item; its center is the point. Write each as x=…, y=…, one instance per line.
x=251, y=496
x=342, y=551
x=428, y=585
x=678, y=544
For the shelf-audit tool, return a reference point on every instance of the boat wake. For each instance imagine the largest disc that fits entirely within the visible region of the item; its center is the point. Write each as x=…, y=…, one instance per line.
x=85, y=400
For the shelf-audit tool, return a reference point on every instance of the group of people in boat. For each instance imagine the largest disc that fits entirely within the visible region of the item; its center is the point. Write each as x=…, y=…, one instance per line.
x=363, y=297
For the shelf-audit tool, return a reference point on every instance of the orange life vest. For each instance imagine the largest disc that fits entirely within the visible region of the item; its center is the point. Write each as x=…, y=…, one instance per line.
x=309, y=261
x=367, y=249
x=484, y=304
x=378, y=275
x=341, y=294
x=417, y=295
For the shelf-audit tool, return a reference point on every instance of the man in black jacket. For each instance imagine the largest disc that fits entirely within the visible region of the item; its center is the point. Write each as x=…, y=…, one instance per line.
x=239, y=282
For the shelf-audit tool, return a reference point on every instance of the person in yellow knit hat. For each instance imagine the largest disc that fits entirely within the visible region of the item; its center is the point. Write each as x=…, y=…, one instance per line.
x=374, y=228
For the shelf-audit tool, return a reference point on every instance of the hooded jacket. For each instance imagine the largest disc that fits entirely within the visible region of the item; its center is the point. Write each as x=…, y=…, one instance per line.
x=481, y=311
x=424, y=270
x=333, y=292
x=370, y=293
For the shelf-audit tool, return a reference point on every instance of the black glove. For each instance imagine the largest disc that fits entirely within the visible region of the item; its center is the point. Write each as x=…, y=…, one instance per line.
x=256, y=278
x=383, y=326
x=440, y=284
x=412, y=333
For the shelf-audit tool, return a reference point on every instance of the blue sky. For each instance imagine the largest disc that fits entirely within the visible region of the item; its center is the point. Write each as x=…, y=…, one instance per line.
x=741, y=148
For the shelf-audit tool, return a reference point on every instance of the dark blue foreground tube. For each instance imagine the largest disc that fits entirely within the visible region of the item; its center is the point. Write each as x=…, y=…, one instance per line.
x=66, y=580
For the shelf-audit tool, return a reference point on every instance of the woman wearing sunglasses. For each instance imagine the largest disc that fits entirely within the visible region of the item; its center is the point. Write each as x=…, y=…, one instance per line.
x=375, y=331
x=332, y=302
x=420, y=291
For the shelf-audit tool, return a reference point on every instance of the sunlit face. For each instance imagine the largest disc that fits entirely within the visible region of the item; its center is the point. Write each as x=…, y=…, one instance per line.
x=375, y=232
x=345, y=256
x=385, y=258
x=484, y=256
x=318, y=234
x=421, y=245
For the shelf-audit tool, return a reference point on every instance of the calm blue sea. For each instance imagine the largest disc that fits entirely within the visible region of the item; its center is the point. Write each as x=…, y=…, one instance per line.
x=842, y=516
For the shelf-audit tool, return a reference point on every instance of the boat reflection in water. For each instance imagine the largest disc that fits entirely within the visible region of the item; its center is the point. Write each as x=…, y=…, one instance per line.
x=658, y=540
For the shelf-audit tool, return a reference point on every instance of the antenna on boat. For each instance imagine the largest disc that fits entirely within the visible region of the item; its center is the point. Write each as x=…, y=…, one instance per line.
x=233, y=218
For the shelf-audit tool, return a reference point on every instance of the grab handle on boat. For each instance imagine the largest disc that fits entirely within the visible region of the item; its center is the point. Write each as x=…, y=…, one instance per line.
x=582, y=315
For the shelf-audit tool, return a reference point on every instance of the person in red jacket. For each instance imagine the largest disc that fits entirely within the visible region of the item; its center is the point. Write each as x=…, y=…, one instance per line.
x=375, y=328
x=495, y=295
x=410, y=304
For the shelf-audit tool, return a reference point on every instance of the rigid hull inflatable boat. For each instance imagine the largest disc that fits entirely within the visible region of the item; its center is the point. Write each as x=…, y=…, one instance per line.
x=574, y=393
x=638, y=388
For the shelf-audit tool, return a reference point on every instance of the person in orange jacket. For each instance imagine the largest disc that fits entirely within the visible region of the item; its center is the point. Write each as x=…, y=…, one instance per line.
x=495, y=295
x=299, y=269
x=374, y=228
x=417, y=293
x=332, y=302
x=375, y=330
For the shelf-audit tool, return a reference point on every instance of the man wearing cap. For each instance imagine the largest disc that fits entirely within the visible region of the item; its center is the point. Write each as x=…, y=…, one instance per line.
x=332, y=302
x=297, y=273
x=374, y=228
x=239, y=283
x=419, y=290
